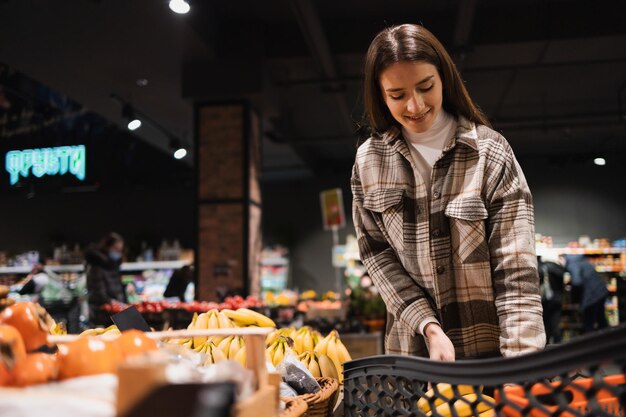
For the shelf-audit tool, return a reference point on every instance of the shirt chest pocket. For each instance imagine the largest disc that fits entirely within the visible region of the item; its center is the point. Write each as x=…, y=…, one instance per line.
x=467, y=229
x=388, y=208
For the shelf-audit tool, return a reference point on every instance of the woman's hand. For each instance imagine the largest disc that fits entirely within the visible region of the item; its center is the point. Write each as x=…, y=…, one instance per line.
x=439, y=345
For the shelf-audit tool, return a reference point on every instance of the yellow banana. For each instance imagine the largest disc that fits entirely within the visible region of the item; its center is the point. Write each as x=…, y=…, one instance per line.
x=241, y=356
x=202, y=322
x=297, y=343
x=271, y=337
x=327, y=367
x=224, y=321
x=260, y=319
x=213, y=323
x=240, y=318
x=463, y=407
x=322, y=346
x=331, y=352
x=188, y=343
x=446, y=392
x=235, y=346
x=314, y=368
x=92, y=332
x=316, y=336
x=307, y=343
x=224, y=345
x=279, y=354
x=343, y=353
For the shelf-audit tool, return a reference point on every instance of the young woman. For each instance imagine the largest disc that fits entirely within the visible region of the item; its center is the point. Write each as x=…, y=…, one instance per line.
x=442, y=211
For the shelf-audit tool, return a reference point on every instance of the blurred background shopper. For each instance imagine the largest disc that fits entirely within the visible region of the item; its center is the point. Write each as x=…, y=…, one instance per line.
x=104, y=284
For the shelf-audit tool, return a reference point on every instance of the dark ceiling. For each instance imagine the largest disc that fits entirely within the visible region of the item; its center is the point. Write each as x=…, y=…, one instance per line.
x=551, y=75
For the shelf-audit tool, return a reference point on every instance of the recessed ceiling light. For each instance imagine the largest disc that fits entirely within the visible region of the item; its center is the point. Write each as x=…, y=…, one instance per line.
x=180, y=153
x=179, y=6
x=142, y=82
x=599, y=161
x=134, y=124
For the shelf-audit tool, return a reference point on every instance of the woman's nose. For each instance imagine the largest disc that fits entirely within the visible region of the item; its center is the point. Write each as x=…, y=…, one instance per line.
x=415, y=103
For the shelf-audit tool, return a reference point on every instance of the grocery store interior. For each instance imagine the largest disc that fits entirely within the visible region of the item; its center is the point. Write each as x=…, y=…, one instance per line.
x=219, y=141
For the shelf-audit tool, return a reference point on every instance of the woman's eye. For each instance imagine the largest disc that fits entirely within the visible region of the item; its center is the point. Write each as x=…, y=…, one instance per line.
x=423, y=90
x=397, y=97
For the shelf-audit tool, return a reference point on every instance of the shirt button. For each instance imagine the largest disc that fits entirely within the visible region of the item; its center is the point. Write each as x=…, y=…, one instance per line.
x=436, y=194
x=436, y=232
x=441, y=269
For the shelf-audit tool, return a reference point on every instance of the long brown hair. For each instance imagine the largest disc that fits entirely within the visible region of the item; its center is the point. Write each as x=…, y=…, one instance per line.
x=410, y=42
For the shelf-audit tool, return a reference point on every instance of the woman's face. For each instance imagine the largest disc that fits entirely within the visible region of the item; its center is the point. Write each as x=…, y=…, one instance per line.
x=118, y=246
x=412, y=91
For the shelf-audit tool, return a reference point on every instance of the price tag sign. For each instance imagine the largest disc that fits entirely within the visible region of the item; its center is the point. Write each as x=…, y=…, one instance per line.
x=333, y=214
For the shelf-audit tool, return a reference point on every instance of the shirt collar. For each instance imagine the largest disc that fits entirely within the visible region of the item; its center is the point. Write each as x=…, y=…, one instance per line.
x=465, y=133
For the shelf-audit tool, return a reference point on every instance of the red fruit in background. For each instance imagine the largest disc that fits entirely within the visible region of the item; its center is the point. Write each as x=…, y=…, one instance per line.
x=31, y=320
x=34, y=368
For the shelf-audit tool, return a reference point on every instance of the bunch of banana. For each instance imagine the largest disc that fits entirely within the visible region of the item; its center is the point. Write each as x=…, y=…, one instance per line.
x=444, y=397
x=231, y=345
x=333, y=347
x=246, y=317
x=212, y=352
x=183, y=342
x=285, y=331
x=112, y=329
x=277, y=351
x=318, y=365
x=304, y=339
x=212, y=319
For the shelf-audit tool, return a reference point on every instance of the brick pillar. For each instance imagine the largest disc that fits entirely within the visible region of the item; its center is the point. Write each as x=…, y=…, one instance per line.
x=229, y=199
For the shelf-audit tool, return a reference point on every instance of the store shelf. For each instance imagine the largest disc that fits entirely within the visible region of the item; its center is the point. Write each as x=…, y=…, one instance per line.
x=580, y=251
x=615, y=268
x=126, y=266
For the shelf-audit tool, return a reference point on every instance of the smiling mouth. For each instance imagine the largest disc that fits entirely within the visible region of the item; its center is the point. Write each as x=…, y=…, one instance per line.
x=417, y=118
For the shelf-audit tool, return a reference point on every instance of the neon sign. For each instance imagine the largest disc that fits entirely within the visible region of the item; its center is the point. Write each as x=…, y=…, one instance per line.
x=46, y=161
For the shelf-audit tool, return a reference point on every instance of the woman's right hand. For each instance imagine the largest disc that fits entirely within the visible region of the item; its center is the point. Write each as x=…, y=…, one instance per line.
x=439, y=345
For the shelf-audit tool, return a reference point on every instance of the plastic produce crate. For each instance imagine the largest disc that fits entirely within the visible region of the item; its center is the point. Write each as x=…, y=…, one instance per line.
x=584, y=377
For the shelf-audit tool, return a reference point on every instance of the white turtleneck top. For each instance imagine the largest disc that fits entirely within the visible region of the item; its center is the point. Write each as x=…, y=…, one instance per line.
x=426, y=147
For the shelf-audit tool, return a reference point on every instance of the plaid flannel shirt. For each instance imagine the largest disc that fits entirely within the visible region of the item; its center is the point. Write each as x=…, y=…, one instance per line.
x=462, y=253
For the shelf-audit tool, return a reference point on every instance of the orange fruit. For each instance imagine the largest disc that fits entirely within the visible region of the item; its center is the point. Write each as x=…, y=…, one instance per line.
x=134, y=342
x=31, y=320
x=88, y=356
x=13, y=339
x=34, y=368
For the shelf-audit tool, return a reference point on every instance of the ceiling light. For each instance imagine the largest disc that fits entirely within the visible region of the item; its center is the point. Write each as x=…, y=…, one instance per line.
x=179, y=6
x=180, y=153
x=127, y=113
x=134, y=124
x=177, y=146
x=599, y=161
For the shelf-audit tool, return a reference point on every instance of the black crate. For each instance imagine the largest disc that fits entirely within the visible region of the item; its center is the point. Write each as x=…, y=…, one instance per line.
x=584, y=377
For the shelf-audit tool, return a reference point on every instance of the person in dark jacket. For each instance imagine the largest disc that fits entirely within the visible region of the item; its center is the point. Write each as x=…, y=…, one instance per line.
x=594, y=291
x=104, y=283
x=551, y=285
x=178, y=283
